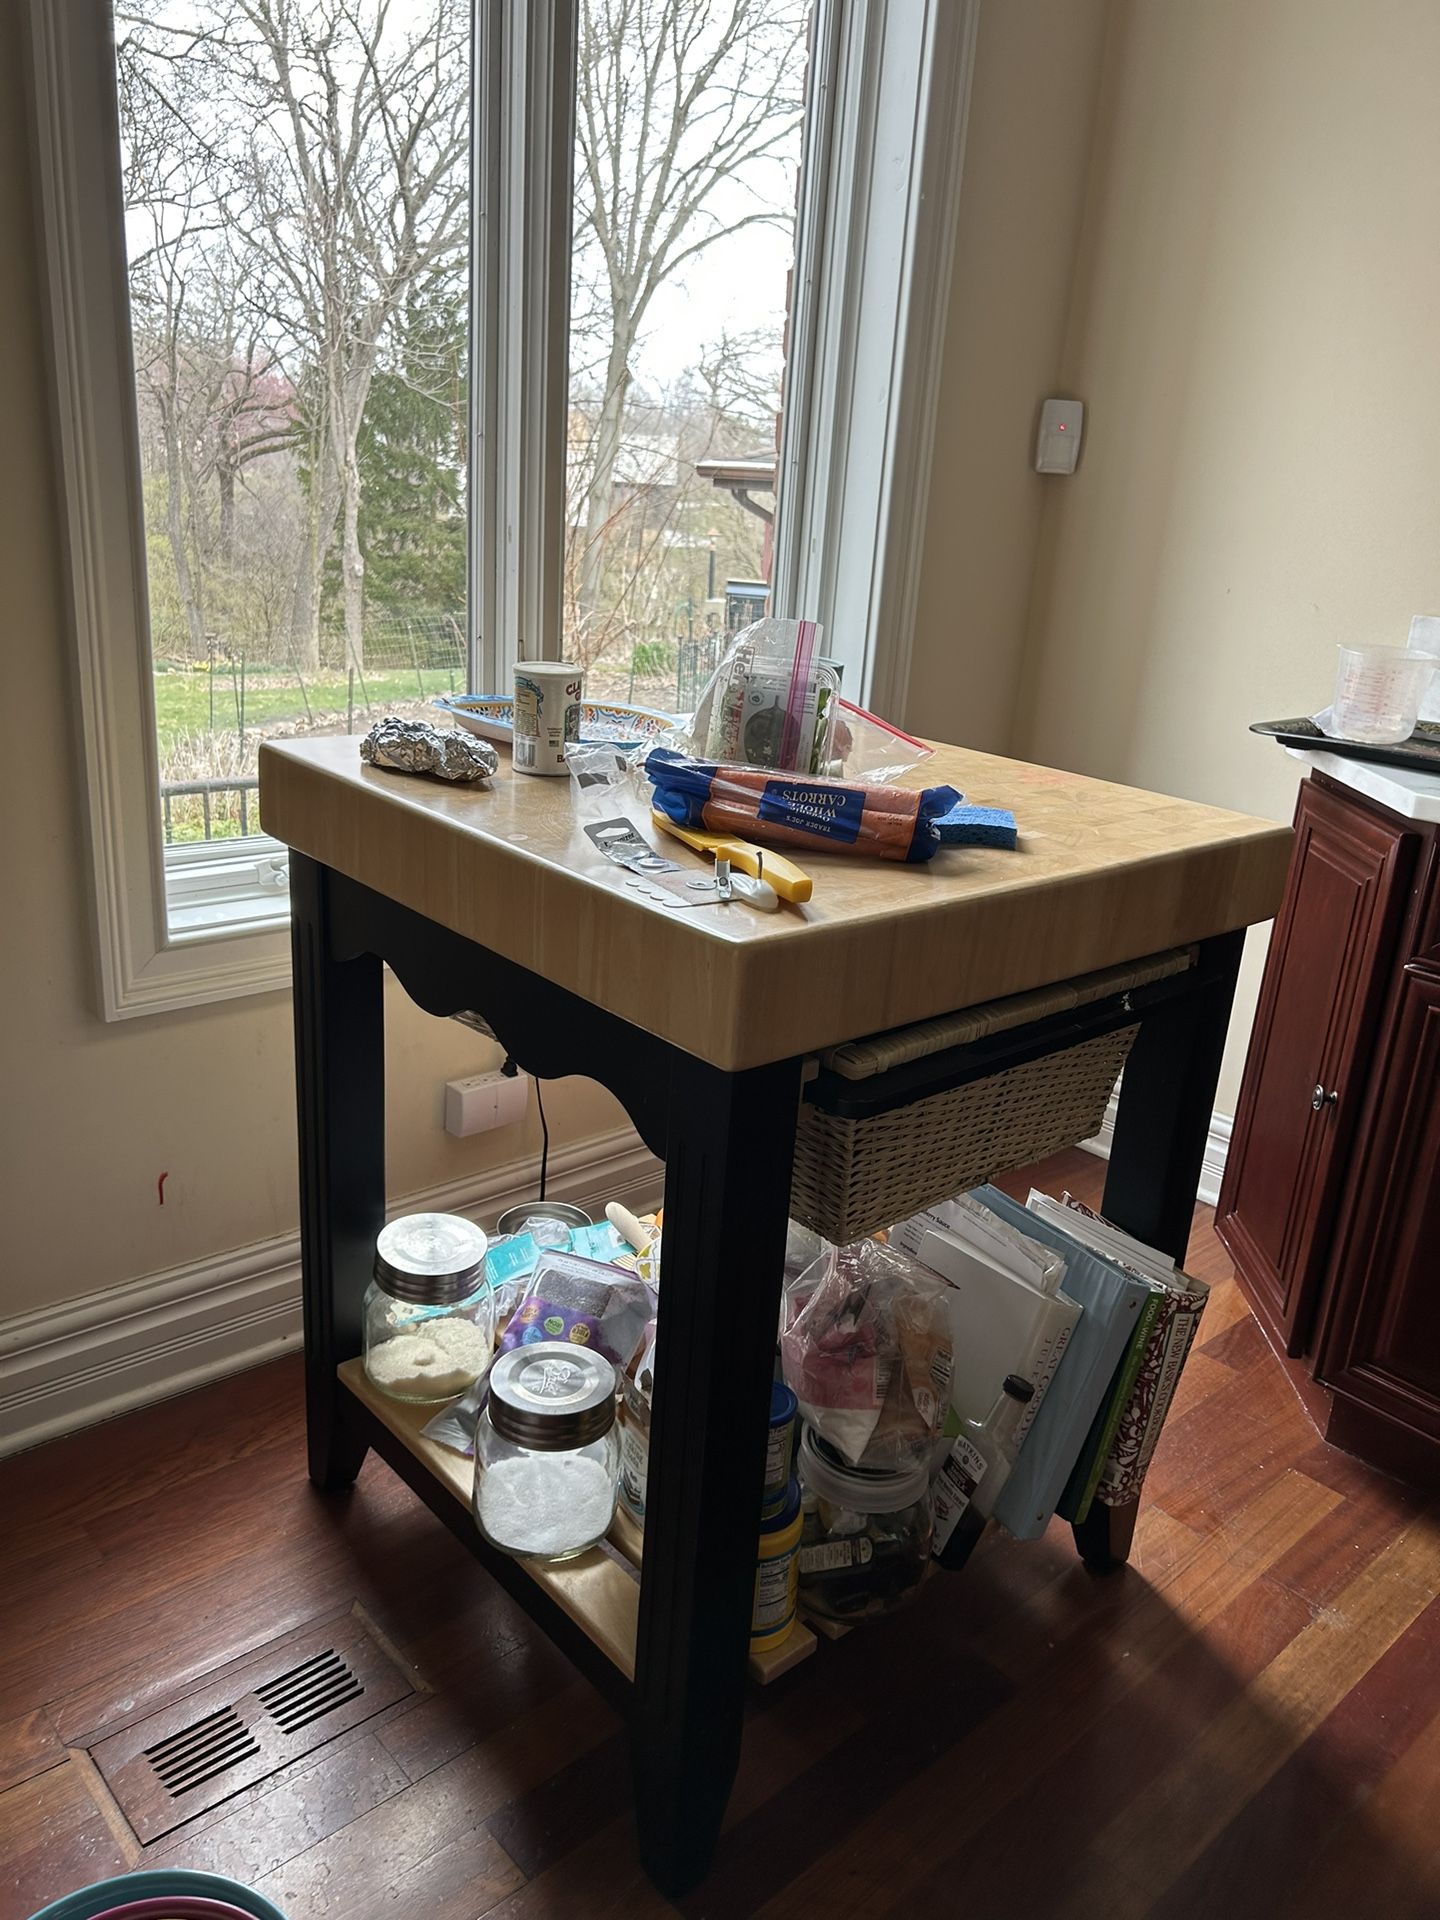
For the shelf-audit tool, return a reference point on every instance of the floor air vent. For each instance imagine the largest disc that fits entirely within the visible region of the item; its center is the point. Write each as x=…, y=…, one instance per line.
x=255, y=1717
x=201, y=1751
x=306, y=1692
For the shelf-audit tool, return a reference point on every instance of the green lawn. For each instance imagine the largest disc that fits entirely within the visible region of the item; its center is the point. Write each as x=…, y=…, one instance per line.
x=182, y=700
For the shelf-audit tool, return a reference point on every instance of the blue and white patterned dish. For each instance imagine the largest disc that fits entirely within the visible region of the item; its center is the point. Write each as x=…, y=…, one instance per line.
x=492, y=717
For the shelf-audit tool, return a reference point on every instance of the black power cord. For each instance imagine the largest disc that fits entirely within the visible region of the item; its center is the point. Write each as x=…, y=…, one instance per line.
x=509, y=1069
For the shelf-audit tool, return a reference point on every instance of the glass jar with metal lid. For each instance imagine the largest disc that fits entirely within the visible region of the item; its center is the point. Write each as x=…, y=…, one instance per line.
x=547, y=1456
x=429, y=1313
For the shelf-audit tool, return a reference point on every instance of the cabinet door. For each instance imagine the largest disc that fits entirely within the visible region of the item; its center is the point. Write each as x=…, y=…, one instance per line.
x=1382, y=1346
x=1325, y=979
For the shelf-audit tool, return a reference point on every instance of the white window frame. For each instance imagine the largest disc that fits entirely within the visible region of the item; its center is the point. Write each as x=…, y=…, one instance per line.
x=884, y=141
x=885, y=129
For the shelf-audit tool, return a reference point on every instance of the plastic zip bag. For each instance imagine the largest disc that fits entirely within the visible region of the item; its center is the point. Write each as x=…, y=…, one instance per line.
x=869, y=1354
x=771, y=701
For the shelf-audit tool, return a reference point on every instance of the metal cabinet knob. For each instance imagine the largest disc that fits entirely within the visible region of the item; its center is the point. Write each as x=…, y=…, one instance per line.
x=1320, y=1098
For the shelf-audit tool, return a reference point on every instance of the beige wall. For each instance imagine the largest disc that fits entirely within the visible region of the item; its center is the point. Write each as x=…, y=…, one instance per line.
x=1037, y=67
x=1255, y=328
x=92, y=1114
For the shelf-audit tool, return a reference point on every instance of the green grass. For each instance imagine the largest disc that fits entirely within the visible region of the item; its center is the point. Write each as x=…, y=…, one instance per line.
x=182, y=699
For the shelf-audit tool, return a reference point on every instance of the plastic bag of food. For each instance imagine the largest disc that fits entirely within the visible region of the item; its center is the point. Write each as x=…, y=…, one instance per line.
x=869, y=1355
x=587, y=1302
x=770, y=702
x=791, y=810
x=869, y=749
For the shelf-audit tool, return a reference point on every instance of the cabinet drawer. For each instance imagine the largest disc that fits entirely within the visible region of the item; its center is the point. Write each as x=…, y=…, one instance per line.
x=1382, y=1347
x=1331, y=956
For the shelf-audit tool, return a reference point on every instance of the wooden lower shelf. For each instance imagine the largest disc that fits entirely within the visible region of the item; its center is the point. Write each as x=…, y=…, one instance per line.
x=599, y=1590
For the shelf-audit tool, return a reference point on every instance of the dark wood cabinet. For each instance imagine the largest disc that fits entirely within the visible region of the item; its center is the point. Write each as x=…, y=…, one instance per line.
x=1330, y=1205
x=1382, y=1342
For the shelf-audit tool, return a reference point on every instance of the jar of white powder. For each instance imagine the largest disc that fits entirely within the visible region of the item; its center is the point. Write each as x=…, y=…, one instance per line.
x=547, y=1456
x=429, y=1312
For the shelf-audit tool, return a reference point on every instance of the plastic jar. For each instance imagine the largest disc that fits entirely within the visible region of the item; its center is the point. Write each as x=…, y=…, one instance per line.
x=429, y=1316
x=777, y=1574
x=547, y=1457
x=865, y=1542
x=779, y=1450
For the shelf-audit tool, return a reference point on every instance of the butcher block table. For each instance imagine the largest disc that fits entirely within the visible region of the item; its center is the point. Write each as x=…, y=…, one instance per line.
x=705, y=1023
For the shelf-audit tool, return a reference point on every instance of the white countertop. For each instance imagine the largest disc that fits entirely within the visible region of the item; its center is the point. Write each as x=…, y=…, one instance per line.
x=1416, y=795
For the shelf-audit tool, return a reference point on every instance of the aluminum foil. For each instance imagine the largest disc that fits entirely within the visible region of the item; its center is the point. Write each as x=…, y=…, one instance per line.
x=414, y=746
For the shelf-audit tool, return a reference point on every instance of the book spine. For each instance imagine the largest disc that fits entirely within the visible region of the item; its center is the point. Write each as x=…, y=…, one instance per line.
x=1118, y=1408
x=1048, y=1355
x=1124, y=1472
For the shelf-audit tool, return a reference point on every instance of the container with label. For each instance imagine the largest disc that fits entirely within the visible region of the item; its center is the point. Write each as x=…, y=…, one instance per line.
x=777, y=1574
x=866, y=1538
x=547, y=714
x=779, y=1449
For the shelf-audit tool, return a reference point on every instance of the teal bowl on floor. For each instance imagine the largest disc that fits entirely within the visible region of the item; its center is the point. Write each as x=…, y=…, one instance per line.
x=149, y=1885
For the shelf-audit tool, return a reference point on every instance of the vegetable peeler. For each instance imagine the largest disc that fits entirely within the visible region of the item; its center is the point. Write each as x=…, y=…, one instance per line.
x=788, y=881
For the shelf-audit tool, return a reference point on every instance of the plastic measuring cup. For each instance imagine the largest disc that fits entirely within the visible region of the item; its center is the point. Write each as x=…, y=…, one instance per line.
x=1378, y=692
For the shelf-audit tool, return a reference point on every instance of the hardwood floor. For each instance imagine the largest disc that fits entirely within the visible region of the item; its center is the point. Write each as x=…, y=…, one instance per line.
x=1245, y=1722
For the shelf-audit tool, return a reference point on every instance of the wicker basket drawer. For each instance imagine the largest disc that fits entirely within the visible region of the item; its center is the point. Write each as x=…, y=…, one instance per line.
x=854, y=1175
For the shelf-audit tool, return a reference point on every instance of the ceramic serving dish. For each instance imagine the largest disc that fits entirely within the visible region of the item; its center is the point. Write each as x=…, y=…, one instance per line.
x=492, y=717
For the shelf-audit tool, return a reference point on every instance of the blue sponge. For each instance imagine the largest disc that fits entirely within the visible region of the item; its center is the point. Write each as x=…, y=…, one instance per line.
x=967, y=826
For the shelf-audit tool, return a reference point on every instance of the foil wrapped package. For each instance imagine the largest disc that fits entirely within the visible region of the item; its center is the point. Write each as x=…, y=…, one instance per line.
x=414, y=746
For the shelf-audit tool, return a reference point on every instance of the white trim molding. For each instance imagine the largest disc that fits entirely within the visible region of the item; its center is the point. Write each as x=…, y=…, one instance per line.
x=142, y=968
x=67, y=1366
x=1212, y=1167
x=875, y=245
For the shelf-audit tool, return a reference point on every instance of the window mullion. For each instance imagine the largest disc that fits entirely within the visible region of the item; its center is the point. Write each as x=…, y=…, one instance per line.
x=523, y=145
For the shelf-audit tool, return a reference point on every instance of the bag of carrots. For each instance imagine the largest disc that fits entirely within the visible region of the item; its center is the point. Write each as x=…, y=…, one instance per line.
x=801, y=810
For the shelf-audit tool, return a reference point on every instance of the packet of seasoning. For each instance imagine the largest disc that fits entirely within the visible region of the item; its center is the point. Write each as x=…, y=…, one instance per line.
x=787, y=809
x=585, y=1302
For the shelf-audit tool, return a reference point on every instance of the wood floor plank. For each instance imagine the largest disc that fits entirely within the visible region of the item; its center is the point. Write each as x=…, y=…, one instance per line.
x=260, y=1831
x=467, y=1877
x=1023, y=1864
x=406, y=1830
x=1160, y=1832
x=28, y=1745
x=1383, y=1859
x=887, y=1854
x=1327, y=1779
x=53, y=1838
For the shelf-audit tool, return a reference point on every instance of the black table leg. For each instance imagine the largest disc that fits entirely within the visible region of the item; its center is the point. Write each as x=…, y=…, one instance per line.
x=340, y=1093
x=727, y=1198
x=1166, y=1099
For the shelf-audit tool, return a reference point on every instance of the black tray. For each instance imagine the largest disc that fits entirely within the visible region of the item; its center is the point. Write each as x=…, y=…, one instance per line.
x=1421, y=752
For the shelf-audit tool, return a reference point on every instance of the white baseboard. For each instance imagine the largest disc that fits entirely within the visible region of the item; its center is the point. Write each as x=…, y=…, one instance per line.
x=67, y=1366
x=1212, y=1167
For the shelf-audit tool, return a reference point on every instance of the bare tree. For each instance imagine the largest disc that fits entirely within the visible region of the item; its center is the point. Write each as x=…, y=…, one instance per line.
x=358, y=186
x=333, y=139
x=202, y=378
x=683, y=108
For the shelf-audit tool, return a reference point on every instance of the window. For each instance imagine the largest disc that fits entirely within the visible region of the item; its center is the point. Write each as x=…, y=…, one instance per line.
x=402, y=341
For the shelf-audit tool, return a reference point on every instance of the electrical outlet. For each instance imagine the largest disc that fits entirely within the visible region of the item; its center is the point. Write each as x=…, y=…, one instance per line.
x=485, y=1100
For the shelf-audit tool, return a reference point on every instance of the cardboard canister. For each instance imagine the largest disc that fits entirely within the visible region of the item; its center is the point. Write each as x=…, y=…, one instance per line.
x=547, y=714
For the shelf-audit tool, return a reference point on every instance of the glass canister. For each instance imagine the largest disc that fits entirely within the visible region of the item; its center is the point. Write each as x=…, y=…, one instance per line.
x=429, y=1312
x=547, y=1455
x=866, y=1536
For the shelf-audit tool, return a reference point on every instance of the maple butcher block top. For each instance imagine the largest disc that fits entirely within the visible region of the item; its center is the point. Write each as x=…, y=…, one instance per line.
x=1102, y=874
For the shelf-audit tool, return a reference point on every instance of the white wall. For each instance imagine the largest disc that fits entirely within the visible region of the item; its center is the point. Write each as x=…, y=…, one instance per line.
x=1255, y=328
